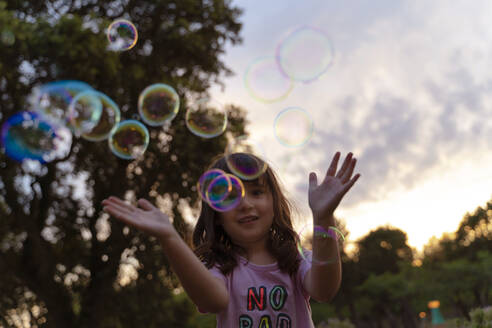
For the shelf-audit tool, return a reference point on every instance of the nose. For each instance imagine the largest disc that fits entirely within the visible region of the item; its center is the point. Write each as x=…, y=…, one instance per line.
x=245, y=203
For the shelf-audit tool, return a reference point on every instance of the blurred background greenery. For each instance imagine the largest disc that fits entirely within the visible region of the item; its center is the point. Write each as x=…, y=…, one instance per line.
x=63, y=263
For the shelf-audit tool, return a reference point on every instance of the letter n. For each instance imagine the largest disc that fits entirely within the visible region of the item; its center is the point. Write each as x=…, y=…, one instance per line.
x=245, y=321
x=254, y=298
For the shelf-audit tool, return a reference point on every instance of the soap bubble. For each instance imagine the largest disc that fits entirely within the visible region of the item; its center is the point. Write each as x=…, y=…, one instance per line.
x=110, y=117
x=305, y=241
x=122, y=35
x=293, y=127
x=26, y=135
x=234, y=196
x=129, y=140
x=244, y=158
x=158, y=104
x=84, y=111
x=305, y=54
x=265, y=82
x=206, y=118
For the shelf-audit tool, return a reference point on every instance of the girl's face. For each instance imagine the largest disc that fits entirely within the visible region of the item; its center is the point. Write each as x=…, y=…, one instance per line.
x=249, y=223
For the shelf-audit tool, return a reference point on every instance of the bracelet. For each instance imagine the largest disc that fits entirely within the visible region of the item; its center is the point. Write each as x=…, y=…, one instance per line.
x=332, y=232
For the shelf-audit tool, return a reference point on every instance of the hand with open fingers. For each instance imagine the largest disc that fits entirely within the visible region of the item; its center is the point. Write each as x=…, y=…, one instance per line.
x=146, y=217
x=325, y=197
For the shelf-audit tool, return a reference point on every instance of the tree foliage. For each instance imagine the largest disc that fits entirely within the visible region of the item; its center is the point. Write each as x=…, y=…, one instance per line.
x=64, y=263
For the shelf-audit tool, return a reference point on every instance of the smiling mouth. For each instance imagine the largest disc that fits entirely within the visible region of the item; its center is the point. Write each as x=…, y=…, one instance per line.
x=248, y=219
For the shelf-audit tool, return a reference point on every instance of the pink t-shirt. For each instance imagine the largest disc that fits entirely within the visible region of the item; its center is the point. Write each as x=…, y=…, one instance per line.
x=263, y=296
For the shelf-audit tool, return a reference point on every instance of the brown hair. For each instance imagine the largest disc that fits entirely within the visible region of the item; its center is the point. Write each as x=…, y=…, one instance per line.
x=214, y=247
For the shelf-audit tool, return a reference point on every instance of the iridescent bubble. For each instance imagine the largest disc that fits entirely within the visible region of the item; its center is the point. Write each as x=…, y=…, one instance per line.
x=84, y=111
x=218, y=189
x=206, y=118
x=129, y=140
x=244, y=158
x=158, y=104
x=234, y=197
x=293, y=127
x=265, y=82
x=110, y=117
x=52, y=99
x=305, y=241
x=122, y=35
x=26, y=135
x=7, y=37
x=305, y=54
x=217, y=193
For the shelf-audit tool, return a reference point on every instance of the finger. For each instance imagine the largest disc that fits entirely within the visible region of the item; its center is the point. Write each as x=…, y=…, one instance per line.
x=119, y=202
x=145, y=204
x=349, y=185
x=121, y=214
x=313, y=181
x=348, y=173
x=345, y=165
x=333, y=166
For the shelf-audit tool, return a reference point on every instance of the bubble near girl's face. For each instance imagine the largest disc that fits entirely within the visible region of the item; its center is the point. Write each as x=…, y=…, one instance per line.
x=245, y=165
x=305, y=54
x=110, y=117
x=158, y=104
x=129, y=140
x=305, y=241
x=206, y=118
x=234, y=196
x=84, y=111
x=216, y=192
x=293, y=127
x=25, y=135
x=265, y=82
x=122, y=35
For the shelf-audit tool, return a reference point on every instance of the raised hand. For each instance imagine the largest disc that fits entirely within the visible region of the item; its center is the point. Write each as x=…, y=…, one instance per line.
x=147, y=218
x=325, y=197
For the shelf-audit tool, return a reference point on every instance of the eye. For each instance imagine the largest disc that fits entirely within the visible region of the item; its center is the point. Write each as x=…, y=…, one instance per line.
x=257, y=192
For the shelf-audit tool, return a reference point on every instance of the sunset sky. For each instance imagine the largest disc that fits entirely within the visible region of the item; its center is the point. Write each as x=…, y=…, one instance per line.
x=409, y=92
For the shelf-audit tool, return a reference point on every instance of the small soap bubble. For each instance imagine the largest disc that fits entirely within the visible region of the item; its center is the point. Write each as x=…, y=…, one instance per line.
x=84, y=111
x=206, y=118
x=129, y=140
x=243, y=156
x=110, y=117
x=305, y=54
x=217, y=193
x=293, y=127
x=158, y=104
x=26, y=135
x=7, y=37
x=305, y=241
x=265, y=82
x=122, y=35
x=218, y=189
x=234, y=196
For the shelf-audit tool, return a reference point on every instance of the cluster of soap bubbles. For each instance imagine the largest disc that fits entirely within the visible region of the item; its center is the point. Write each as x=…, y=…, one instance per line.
x=60, y=110
x=303, y=55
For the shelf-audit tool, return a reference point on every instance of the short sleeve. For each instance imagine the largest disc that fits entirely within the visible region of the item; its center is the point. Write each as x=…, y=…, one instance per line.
x=215, y=271
x=304, y=267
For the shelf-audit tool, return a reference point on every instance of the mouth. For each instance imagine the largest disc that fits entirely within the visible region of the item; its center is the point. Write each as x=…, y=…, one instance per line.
x=248, y=219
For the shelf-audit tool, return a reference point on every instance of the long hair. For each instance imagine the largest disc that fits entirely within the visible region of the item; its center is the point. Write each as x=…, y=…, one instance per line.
x=214, y=247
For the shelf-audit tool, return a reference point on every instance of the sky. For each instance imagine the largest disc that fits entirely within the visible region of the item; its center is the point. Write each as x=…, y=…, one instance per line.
x=408, y=92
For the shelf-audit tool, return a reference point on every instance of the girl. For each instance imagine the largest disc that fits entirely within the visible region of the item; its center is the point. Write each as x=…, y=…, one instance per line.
x=246, y=268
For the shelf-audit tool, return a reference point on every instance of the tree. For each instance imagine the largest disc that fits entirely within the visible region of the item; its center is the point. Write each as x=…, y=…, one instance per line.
x=64, y=263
